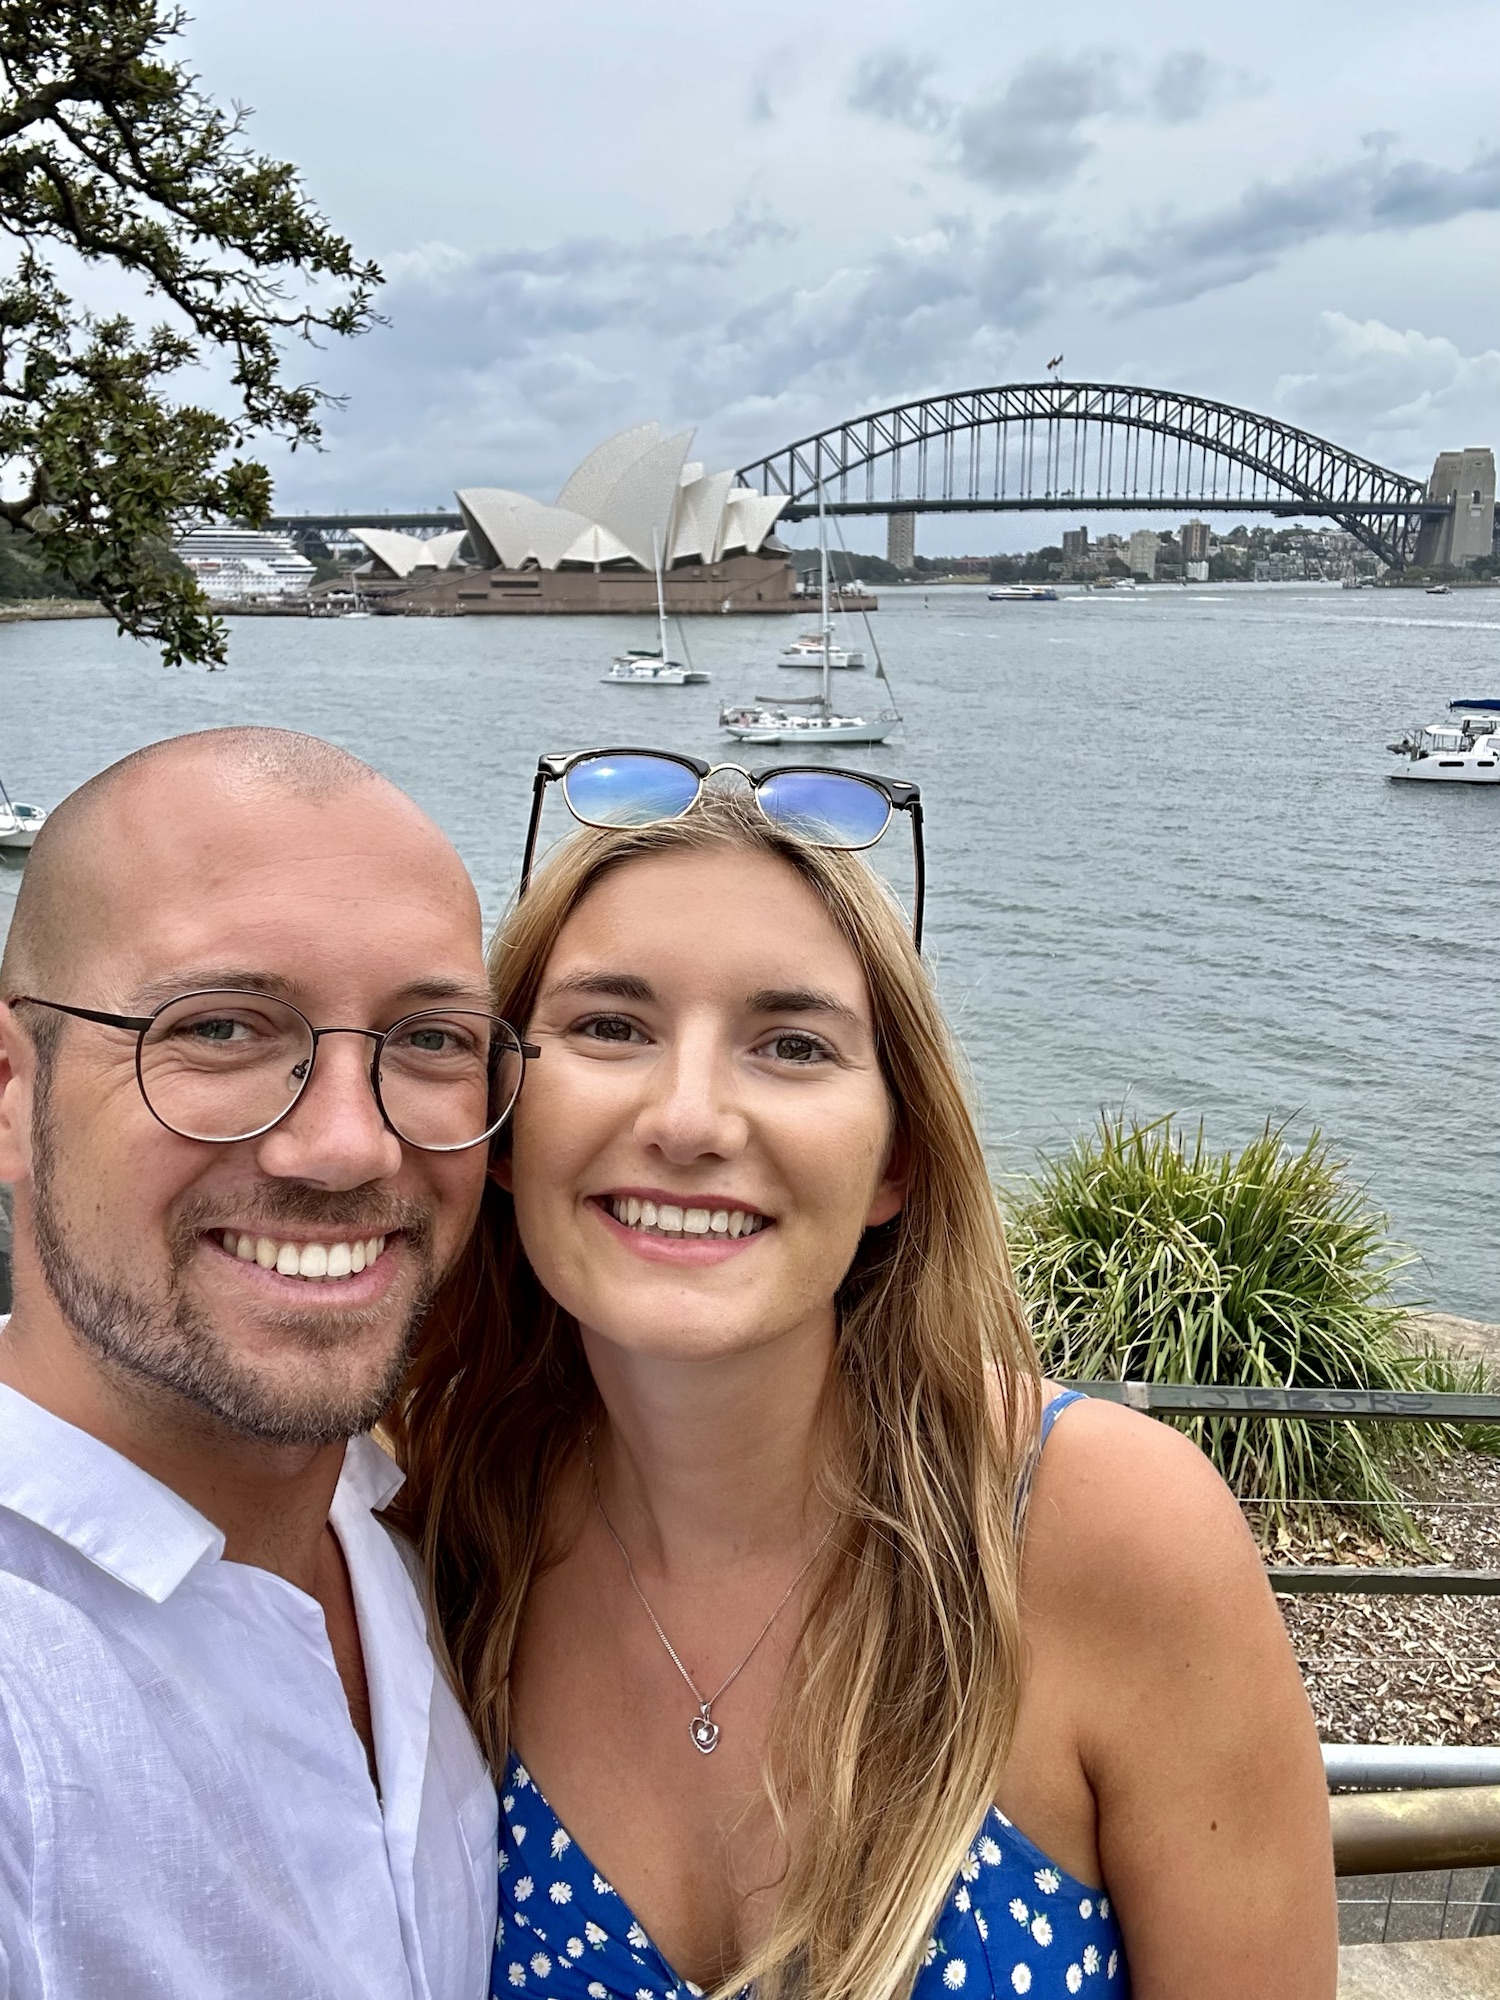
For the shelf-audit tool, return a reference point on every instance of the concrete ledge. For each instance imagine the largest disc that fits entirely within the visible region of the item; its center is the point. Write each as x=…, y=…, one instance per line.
x=1468, y=1969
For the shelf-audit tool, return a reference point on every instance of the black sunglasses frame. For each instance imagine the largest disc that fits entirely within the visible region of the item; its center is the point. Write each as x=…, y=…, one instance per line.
x=140, y=1026
x=899, y=794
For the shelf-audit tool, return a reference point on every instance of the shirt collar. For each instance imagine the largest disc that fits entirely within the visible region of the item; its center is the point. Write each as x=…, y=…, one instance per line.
x=118, y=1516
x=97, y=1501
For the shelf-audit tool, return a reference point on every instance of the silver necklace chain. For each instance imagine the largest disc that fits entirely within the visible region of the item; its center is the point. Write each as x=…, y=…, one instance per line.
x=702, y=1729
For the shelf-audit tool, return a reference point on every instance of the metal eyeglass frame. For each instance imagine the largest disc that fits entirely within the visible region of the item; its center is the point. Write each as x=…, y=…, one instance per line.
x=141, y=1024
x=899, y=795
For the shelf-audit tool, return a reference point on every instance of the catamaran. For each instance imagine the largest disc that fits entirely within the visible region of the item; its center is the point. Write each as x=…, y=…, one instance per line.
x=1465, y=751
x=641, y=667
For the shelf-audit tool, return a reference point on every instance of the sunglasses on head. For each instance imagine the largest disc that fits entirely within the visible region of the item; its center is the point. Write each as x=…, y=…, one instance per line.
x=827, y=808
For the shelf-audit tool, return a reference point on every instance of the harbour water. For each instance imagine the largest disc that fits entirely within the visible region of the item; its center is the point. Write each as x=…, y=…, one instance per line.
x=1166, y=868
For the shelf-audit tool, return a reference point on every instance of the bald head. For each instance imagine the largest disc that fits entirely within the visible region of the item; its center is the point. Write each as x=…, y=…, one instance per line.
x=131, y=829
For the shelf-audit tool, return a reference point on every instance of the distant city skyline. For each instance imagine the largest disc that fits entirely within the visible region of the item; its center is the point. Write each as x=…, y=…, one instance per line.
x=597, y=217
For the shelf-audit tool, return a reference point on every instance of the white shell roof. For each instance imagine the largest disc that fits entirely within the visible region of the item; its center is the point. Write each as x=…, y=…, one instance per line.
x=404, y=553
x=634, y=495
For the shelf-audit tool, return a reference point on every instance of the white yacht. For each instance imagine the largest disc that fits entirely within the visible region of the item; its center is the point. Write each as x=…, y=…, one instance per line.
x=19, y=824
x=639, y=668
x=654, y=667
x=1023, y=593
x=1463, y=751
x=808, y=652
x=810, y=720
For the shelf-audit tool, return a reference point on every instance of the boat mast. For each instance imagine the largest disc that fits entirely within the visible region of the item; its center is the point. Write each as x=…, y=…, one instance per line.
x=661, y=602
x=823, y=587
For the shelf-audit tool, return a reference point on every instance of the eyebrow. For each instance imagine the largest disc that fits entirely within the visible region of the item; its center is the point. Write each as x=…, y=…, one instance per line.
x=216, y=979
x=607, y=986
x=800, y=1000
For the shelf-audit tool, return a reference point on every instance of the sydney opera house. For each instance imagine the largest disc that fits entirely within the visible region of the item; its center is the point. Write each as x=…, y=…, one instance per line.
x=635, y=502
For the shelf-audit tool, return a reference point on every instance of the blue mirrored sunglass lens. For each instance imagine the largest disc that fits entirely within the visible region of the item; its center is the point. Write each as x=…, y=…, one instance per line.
x=825, y=807
x=628, y=791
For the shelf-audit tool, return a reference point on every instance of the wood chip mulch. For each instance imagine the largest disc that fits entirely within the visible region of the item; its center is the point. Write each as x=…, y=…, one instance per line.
x=1415, y=1670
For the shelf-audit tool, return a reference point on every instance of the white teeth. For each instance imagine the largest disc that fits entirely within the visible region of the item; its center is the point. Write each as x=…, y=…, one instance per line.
x=317, y=1263
x=670, y=1220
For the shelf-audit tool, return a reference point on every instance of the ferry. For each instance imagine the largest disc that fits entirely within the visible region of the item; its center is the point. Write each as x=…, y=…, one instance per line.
x=1465, y=751
x=1023, y=593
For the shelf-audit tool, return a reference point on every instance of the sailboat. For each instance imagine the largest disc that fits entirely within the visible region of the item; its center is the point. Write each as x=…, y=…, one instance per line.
x=19, y=824
x=641, y=667
x=809, y=719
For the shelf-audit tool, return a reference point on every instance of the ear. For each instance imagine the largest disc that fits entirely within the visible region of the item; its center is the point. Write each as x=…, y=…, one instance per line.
x=17, y=1062
x=890, y=1193
x=500, y=1171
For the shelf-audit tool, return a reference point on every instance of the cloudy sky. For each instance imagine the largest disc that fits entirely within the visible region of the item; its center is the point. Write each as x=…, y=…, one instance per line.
x=761, y=220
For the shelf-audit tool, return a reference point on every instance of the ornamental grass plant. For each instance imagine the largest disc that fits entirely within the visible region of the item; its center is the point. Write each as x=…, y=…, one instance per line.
x=1146, y=1256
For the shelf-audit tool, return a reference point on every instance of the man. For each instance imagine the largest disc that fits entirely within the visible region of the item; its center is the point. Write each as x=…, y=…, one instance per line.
x=228, y=1762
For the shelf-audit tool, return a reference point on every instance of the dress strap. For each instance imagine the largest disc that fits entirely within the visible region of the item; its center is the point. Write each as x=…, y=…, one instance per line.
x=1050, y=1416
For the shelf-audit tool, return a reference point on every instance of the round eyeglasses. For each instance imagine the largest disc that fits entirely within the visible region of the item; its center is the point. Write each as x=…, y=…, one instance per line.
x=225, y=1065
x=637, y=788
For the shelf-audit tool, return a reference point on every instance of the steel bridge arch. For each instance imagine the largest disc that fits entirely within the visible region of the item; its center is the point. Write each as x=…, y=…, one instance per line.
x=1081, y=445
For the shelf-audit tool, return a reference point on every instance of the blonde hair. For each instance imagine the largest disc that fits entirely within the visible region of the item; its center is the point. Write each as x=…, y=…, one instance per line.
x=896, y=1719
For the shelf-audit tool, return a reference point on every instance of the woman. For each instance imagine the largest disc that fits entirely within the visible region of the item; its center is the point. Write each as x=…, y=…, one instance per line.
x=797, y=1664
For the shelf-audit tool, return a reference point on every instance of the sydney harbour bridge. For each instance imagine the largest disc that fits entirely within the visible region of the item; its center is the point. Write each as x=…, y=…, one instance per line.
x=1074, y=447
x=1080, y=447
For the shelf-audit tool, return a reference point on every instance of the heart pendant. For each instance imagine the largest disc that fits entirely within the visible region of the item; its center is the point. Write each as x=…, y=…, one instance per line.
x=704, y=1732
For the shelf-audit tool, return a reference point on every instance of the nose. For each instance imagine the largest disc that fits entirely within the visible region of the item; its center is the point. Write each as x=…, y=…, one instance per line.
x=334, y=1136
x=692, y=1109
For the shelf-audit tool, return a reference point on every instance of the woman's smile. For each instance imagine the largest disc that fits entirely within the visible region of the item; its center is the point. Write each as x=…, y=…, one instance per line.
x=681, y=1228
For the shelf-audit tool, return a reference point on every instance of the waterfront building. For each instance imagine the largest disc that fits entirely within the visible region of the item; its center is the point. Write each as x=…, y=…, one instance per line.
x=1194, y=539
x=901, y=540
x=635, y=503
x=1467, y=479
x=1075, y=545
x=1144, y=544
x=400, y=556
x=244, y=566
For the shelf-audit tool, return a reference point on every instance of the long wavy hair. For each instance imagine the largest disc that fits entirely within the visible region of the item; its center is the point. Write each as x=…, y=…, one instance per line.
x=896, y=1717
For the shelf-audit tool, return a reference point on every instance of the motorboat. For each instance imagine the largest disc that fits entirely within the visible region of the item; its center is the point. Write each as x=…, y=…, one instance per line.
x=812, y=719
x=1462, y=751
x=1023, y=593
x=19, y=824
x=808, y=652
x=654, y=667
x=639, y=668
x=1439, y=590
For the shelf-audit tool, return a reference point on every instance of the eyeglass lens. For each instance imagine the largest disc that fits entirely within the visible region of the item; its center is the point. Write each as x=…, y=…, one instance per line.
x=830, y=808
x=223, y=1066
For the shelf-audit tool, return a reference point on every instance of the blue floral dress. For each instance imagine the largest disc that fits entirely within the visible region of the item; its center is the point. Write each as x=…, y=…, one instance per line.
x=1015, y=1923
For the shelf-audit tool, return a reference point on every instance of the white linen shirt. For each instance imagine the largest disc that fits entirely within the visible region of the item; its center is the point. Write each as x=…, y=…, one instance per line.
x=186, y=1811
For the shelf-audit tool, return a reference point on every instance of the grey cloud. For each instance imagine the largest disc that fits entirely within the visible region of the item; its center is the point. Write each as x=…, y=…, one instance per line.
x=1033, y=132
x=893, y=86
x=1179, y=260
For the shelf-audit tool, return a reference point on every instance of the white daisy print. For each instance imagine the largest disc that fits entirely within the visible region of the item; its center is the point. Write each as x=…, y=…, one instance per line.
x=561, y=1892
x=970, y=1868
x=601, y=1887
x=1085, y=1909
x=594, y=1934
x=560, y=1843
x=1019, y=1911
x=524, y=1888
x=575, y=1947
x=1048, y=1881
x=1041, y=1930
x=955, y=1972
x=1020, y=1978
x=1104, y=1907
x=989, y=1852
x=636, y=1936
x=1114, y=1960
x=541, y=1965
x=518, y=1833
x=961, y=1898
x=509, y=1802
x=597, y=1992
x=981, y=1926
x=517, y=1974
x=931, y=1952
x=1074, y=1977
x=1091, y=1958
